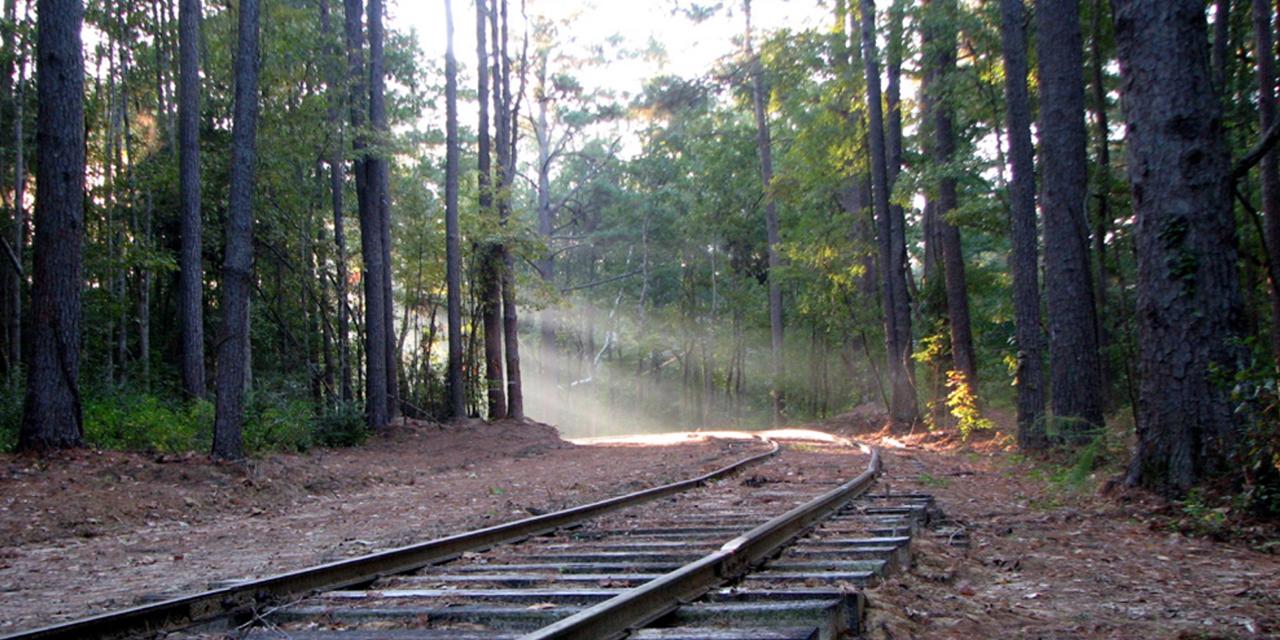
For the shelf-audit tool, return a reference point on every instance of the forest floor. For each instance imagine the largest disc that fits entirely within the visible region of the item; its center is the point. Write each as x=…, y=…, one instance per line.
x=91, y=531
x=1046, y=559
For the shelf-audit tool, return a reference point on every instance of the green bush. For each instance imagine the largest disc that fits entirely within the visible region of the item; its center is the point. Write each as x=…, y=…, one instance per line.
x=140, y=422
x=275, y=422
x=341, y=426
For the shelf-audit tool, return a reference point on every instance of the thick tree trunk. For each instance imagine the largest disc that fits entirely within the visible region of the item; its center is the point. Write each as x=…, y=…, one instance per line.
x=1024, y=261
x=379, y=184
x=1188, y=308
x=939, y=44
x=191, y=276
x=1269, y=168
x=233, y=345
x=336, y=180
x=490, y=280
x=453, y=251
x=51, y=414
x=375, y=341
x=897, y=312
x=1075, y=367
x=764, y=146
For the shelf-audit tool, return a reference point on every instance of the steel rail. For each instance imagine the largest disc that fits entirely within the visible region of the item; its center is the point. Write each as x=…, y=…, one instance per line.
x=639, y=606
x=243, y=599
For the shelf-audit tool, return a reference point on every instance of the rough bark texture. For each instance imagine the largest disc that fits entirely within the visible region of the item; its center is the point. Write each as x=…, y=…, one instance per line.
x=336, y=181
x=375, y=343
x=1024, y=262
x=233, y=344
x=939, y=44
x=1269, y=169
x=764, y=146
x=453, y=250
x=1188, y=304
x=51, y=413
x=892, y=242
x=490, y=281
x=1075, y=368
x=14, y=319
x=379, y=185
x=191, y=278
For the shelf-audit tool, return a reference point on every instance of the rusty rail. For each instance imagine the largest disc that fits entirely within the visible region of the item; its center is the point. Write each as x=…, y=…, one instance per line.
x=642, y=605
x=242, y=599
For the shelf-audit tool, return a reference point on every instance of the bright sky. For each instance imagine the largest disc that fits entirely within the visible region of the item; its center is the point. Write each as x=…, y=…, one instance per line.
x=691, y=48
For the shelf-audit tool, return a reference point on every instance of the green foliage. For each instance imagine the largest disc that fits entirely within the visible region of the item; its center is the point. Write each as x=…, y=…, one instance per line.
x=276, y=422
x=342, y=425
x=141, y=422
x=962, y=402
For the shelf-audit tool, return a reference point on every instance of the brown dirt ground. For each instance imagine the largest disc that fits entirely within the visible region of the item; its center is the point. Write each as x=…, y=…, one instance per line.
x=1047, y=562
x=1043, y=562
x=89, y=531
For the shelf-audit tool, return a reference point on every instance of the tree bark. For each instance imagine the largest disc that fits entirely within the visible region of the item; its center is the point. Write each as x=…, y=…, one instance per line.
x=51, y=414
x=897, y=312
x=1075, y=367
x=490, y=280
x=1102, y=193
x=191, y=276
x=1024, y=261
x=336, y=182
x=375, y=340
x=453, y=251
x=1189, y=305
x=1264, y=51
x=764, y=146
x=14, y=321
x=939, y=43
x=1221, y=44
x=233, y=345
x=379, y=185
x=505, y=116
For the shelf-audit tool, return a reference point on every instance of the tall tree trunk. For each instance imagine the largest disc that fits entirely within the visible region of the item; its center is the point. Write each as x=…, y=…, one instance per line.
x=764, y=146
x=490, y=280
x=1102, y=193
x=939, y=44
x=897, y=313
x=191, y=276
x=375, y=340
x=379, y=182
x=453, y=251
x=336, y=180
x=237, y=267
x=1264, y=51
x=1221, y=44
x=507, y=123
x=1024, y=261
x=1075, y=368
x=51, y=413
x=1188, y=309
x=14, y=321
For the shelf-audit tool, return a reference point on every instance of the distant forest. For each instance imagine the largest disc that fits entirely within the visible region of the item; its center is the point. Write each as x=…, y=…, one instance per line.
x=274, y=225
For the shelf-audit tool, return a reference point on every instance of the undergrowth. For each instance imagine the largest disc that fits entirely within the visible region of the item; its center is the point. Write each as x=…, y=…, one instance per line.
x=275, y=421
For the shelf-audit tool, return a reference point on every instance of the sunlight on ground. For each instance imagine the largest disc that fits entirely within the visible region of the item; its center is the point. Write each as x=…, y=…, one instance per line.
x=683, y=437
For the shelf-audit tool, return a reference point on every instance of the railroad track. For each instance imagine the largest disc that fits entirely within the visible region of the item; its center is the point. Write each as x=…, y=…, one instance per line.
x=710, y=558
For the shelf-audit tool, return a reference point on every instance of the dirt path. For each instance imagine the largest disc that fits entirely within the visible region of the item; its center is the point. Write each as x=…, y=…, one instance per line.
x=165, y=527
x=1045, y=562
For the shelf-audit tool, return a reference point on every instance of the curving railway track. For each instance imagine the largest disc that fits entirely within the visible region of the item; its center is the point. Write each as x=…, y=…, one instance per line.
x=717, y=557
